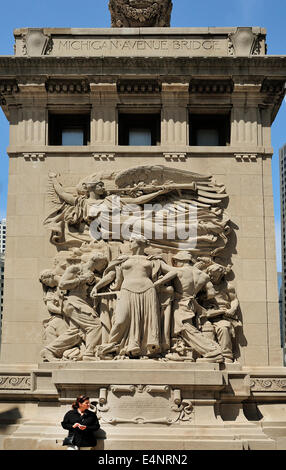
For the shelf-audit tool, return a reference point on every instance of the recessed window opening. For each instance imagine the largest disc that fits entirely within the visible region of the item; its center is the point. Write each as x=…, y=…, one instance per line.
x=209, y=129
x=139, y=130
x=72, y=137
x=140, y=136
x=69, y=129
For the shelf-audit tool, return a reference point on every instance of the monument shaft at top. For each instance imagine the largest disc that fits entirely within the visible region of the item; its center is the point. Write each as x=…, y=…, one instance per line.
x=140, y=13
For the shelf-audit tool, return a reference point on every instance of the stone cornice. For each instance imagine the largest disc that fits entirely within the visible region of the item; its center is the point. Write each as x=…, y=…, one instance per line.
x=137, y=31
x=240, y=153
x=267, y=66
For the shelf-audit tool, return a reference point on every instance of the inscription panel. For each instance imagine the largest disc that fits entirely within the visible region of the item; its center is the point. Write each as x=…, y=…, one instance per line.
x=139, y=47
x=137, y=42
x=140, y=405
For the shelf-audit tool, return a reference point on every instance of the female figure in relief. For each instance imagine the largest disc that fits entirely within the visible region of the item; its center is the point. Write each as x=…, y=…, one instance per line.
x=136, y=328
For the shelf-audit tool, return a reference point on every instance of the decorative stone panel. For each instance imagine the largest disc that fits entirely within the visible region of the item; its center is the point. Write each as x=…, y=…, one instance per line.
x=142, y=404
x=15, y=382
x=268, y=384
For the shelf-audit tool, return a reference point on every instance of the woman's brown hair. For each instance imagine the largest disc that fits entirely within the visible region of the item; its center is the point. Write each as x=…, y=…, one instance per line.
x=80, y=399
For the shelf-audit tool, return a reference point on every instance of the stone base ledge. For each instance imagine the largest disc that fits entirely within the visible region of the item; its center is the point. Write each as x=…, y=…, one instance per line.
x=138, y=445
x=209, y=437
x=161, y=406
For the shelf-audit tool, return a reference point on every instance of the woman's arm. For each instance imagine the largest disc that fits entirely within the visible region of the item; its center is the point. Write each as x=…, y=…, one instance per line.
x=66, y=423
x=146, y=198
x=68, y=198
x=108, y=279
x=170, y=274
x=94, y=424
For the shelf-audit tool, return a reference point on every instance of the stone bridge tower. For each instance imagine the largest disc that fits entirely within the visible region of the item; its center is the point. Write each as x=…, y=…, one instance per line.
x=146, y=110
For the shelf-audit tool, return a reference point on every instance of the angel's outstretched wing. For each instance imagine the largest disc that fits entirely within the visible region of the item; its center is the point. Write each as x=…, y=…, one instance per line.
x=207, y=192
x=54, y=200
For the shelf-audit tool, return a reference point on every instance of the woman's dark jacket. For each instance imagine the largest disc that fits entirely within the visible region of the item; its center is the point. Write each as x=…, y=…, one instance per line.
x=89, y=419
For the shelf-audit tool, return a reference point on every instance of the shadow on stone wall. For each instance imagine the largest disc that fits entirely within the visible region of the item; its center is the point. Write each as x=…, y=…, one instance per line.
x=9, y=418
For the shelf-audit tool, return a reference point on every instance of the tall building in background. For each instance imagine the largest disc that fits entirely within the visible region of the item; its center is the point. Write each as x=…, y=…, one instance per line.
x=281, y=314
x=3, y=236
x=1, y=290
x=2, y=253
x=282, y=159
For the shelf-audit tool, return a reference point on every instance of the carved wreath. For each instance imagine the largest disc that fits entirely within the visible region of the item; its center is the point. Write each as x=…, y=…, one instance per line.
x=124, y=9
x=137, y=13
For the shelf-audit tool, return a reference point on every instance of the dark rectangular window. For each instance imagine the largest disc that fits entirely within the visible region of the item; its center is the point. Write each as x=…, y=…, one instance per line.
x=209, y=129
x=139, y=129
x=69, y=129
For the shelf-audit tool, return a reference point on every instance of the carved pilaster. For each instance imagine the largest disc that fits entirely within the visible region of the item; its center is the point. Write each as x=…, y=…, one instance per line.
x=175, y=99
x=245, y=120
x=32, y=114
x=103, y=113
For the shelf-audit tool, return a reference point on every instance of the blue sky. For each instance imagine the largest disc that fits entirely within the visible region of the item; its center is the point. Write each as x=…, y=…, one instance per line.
x=94, y=13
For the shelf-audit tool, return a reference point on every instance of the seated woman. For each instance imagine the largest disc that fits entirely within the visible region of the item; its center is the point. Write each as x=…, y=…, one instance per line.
x=81, y=423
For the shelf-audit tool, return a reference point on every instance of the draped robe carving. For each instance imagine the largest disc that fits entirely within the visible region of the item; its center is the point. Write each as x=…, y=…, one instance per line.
x=180, y=211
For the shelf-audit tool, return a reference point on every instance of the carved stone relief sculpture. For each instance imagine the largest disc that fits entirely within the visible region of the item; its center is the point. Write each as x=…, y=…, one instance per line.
x=36, y=42
x=245, y=42
x=133, y=404
x=140, y=13
x=137, y=274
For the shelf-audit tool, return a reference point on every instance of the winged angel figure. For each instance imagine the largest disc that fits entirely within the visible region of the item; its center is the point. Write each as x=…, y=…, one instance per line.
x=152, y=200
